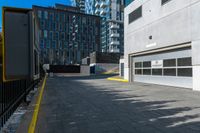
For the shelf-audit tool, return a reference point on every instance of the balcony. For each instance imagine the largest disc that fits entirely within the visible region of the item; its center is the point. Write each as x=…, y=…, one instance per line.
x=114, y=50
x=114, y=26
x=103, y=12
x=97, y=4
x=97, y=11
x=82, y=5
x=103, y=4
x=82, y=2
x=114, y=42
x=114, y=35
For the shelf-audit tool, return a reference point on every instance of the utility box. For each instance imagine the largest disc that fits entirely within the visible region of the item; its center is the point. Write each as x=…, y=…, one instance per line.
x=20, y=45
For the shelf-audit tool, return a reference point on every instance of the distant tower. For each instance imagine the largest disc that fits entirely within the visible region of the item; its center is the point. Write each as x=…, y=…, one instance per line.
x=80, y=4
x=90, y=7
x=112, y=22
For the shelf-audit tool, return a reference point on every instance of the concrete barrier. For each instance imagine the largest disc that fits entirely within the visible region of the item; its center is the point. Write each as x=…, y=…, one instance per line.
x=85, y=70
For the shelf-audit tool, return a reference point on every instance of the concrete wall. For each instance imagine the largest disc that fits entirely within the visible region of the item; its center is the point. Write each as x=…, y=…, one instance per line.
x=176, y=22
x=85, y=70
x=99, y=57
x=85, y=61
x=105, y=67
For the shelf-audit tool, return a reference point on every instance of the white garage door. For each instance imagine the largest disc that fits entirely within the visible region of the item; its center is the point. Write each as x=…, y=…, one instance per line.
x=168, y=68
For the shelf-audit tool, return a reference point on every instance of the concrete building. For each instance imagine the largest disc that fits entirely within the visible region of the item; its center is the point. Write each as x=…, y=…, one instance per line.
x=66, y=35
x=162, y=42
x=112, y=13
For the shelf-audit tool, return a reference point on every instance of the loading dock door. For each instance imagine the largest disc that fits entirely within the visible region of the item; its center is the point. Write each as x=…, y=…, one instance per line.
x=167, y=68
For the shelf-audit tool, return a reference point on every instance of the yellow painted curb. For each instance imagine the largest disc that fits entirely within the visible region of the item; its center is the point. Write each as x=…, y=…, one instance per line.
x=32, y=125
x=117, y=79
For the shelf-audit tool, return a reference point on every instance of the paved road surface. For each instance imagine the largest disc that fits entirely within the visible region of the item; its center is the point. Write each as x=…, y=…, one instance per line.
x=96, y=105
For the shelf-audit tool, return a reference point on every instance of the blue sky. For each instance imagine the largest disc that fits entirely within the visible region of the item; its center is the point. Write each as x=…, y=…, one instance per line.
x=28, y=4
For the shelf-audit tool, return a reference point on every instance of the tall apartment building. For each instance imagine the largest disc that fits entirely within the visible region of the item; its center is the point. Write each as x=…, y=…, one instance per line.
x=66, y=35
x=79, y=3
x=90, y=6
x=112, y=14
x=162, y=42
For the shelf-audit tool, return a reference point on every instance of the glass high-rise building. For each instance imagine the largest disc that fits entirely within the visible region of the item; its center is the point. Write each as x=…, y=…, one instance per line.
x=112, y=17
x=66, y=35
x=80, y=4
x=90, y=6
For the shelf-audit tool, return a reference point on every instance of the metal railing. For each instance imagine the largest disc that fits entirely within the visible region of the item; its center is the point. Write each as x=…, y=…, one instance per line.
x=12, y=93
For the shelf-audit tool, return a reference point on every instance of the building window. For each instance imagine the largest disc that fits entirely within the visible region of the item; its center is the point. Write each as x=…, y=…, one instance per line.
x=45, y=34
x=51, y=35
x=185, y=61
x=138, y=64
x=65, y=45
x=164, y=1
x=57, y=17
x=62, y=36
x=47, y=44
x=136, y=14
x=156, y=71
x=147, y=64
x=41, y=44
x=46, y=15
x=169, y=63
x=54, y=26
x=51, y=16
x=138, y=71
x=169, y=72
x=54, y=44
x=56, y=36
x=39, y=14
x=42, y=24
x=185, y=72
x=146, y=71
x=60, y=45
x=60, y=27
x=181, y=67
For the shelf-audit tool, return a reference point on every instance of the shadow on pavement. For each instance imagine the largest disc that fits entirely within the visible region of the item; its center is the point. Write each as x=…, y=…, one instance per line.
x=99, y=109
x=100, y=76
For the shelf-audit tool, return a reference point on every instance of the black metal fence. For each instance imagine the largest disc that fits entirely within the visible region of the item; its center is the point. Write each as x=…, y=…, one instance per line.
x=64, y=68
x=12, y=93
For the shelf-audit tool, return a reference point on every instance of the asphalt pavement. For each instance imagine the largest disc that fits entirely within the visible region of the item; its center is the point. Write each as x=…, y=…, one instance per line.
x=93, y=104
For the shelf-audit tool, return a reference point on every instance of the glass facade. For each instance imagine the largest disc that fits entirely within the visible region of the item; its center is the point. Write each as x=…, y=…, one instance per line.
x=80, y=4
x=90, y=7
x=66, y=37
x=112, y=13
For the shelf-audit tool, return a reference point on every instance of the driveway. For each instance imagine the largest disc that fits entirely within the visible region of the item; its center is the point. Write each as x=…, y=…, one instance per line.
x=95, y=105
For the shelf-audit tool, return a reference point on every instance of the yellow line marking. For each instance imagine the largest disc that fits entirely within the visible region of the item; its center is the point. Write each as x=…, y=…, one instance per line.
x=117, y=79
x=33, y=123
